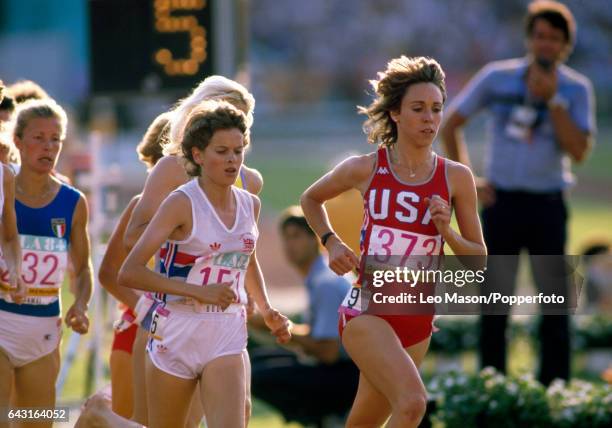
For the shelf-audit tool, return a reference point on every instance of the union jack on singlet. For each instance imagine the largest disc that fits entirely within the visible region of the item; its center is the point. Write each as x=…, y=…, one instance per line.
x=213, y=253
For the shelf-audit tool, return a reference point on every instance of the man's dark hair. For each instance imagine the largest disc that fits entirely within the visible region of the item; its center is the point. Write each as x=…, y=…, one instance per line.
x=295, y=216
x=595, y=248
x=556, y=14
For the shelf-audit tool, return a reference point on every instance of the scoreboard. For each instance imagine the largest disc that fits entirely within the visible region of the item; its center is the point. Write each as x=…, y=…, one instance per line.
x=149, y=45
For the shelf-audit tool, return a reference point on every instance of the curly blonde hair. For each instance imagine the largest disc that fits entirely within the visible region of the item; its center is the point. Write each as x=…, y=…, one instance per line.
x=390, y=88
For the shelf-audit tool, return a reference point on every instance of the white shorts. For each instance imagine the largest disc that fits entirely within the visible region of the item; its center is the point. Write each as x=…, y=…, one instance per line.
x=24, y=338
x=182, y=342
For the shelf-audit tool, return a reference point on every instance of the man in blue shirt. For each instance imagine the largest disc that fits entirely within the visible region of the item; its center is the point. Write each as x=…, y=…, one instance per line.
x=541, y=116
x=308, y=391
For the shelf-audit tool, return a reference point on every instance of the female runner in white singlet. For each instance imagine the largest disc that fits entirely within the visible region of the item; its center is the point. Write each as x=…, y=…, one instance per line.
x=10, y=251
x=211, y=230
x=165, y=177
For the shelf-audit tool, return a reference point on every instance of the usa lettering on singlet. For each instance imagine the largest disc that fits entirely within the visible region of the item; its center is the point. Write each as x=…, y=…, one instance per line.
x=44, y=235
x=397, y=224
x=213, y=253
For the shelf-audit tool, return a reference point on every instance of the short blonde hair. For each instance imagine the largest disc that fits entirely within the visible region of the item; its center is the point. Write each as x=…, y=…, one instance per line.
x=390, y=88
x=211, y=88
x=45, y=108
x=150, y=147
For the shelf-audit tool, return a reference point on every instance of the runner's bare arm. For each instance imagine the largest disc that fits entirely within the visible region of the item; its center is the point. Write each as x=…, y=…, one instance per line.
x=254, y=280
x=278, y=324
x=352, y=173
x=169, y=222
x=166, y=176
x=10, y=236
x=254, y=180
x=469, y=240
x=76, y=316
x=113, y=258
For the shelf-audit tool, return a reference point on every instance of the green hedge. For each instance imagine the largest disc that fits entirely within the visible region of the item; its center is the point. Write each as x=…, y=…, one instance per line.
x=460, y=333
x=489, y=399
x=594, y=331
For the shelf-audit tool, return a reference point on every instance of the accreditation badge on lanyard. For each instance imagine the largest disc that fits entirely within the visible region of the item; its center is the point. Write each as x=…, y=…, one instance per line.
x=521, y=122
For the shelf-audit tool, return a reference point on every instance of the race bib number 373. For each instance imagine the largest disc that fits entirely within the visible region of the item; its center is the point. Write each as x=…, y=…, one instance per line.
x=409, y=249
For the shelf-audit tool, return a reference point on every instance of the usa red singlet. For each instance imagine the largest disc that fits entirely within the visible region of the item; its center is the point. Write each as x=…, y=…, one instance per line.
x=397, y=222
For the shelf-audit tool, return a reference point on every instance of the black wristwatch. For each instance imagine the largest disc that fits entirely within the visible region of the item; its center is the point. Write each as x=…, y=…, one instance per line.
x=326, y=237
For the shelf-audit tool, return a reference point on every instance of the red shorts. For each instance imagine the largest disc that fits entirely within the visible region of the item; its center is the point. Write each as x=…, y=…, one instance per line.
x=124, y=340
x=409, y=329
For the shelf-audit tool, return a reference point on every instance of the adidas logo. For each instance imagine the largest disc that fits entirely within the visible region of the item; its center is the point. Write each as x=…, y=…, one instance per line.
x=215, y=246
x=382, y=170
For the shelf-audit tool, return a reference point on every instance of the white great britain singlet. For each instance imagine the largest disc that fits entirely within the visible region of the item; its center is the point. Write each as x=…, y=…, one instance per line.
x=213, y=253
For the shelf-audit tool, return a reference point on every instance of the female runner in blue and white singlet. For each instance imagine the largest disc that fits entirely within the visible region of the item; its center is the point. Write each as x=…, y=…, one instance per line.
x=52, y=224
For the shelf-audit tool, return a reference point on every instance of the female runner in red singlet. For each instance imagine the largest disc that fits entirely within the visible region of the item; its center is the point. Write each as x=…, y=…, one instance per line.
x=408, y=192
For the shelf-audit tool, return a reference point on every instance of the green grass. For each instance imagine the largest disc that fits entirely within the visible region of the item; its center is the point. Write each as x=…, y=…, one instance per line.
x=589, y=219
x=265, y=416
x=285, y=180
x=598, y=163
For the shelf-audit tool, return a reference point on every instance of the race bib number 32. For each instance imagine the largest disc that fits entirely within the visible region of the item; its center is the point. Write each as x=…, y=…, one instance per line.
x=44, y=262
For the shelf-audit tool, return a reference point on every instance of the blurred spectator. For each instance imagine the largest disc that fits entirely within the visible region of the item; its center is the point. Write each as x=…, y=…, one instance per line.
x=290, y=39
x=542, y=114
x=597, y=258
x=304, y=391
